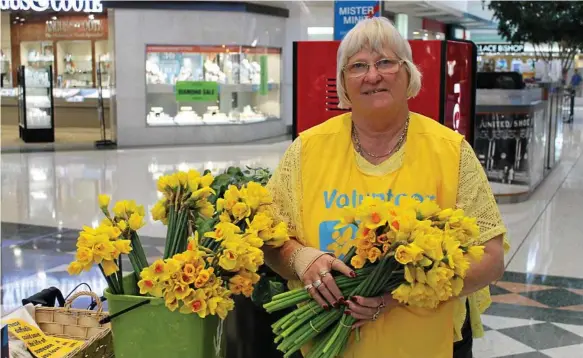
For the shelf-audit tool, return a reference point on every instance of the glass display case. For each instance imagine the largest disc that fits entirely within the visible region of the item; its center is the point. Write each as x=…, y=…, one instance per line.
x=208, y=85
x=5, y=69
x=35, y=104
x=37, y=54
x=75, y=61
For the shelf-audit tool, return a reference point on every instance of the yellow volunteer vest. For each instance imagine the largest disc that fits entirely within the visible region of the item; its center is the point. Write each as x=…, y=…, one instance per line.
x=332, y=179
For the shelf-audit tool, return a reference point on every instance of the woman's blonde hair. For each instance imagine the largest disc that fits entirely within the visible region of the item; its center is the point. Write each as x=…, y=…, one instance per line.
x=378, y=34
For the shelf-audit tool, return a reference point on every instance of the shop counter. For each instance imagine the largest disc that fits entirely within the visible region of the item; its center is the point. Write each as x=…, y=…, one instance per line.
x=73, y=108
x=512, y=139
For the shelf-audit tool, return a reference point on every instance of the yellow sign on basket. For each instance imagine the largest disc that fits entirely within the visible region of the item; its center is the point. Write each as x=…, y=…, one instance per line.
x=39, y=344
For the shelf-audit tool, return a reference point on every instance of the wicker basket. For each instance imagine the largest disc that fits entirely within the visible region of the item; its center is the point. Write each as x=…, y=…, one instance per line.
x=70, y=323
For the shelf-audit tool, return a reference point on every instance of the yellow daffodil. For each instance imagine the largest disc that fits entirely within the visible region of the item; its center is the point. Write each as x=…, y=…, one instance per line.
x=109, y=267
x=75, y=268
x=150, y=287
x=105, y=222
x=181, y=291
x=162, y=184
x=402, y=293
x=241, y=211
x=374, y=254
x=220, y=205
x=207, y=180
x=357, y=262
x=203, y=277
x=173, y=181
x=476, y=253
x=408, y=253
x=103, y=201
x=103, y=249
x=256, y=195
x=182, y=178
x=85, y=239
x=231, y=196
x=123, y=246
x=279, y=235
x=122, y=225
x=205, y=208
x=431, y=246
x=172, y=303
x=159, y=210
x=438, y=277
x=136, y=221
x=159, y=270
x=84, y=255
x=195, y=302
x=373, y=212
x=225, y=217
x=223, y=230
x=427, y=209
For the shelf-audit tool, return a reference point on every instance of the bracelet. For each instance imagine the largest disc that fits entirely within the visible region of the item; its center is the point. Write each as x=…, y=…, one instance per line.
x=293, y=256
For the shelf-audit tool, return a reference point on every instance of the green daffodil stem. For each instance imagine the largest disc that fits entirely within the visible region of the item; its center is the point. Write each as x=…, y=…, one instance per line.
x=135, y=265
x=170, y=231
x=138, y=249
x=110, y=281
x=120, y=274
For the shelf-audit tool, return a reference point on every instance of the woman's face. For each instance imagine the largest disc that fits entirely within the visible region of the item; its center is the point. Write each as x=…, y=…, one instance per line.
x=376, y=90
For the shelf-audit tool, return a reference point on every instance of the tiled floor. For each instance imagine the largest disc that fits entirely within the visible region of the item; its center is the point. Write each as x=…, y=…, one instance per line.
x=47, y=197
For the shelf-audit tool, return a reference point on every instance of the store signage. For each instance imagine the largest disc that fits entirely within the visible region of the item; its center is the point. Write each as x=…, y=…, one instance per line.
x=349, y=13
x=52, y=5
x=496, y=48
x=264, y=78
x=197, y=91
x=74, y=28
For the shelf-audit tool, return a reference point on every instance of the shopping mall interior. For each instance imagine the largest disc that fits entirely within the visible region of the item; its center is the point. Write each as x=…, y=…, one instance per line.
x=107, y=97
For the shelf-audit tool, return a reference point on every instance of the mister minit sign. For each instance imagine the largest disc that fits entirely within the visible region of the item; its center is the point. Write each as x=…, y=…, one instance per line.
x=348, y=13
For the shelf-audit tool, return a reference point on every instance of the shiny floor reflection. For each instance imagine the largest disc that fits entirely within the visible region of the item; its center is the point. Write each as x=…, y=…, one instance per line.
x=47, y=197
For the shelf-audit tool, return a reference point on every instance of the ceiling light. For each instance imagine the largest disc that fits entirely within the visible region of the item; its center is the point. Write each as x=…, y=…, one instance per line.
x=54, y=17
x=16, y=17
x=415, y=32
x=22, y=19
x=91, y=16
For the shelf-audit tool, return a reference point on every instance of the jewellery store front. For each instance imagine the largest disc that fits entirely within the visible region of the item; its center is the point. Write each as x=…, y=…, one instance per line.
x=196, y=73
x=55, y=71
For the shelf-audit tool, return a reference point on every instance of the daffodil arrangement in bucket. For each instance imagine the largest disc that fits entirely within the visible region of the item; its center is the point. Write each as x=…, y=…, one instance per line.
x=176, y=305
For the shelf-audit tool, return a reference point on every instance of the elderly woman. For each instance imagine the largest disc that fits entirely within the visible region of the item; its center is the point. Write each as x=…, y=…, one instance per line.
x=383, y=149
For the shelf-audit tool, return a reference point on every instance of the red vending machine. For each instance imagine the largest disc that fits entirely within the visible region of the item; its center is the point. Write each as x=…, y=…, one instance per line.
x=448, y=92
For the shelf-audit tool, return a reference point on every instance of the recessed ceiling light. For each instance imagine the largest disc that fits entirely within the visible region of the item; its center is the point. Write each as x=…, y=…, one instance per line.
x=91, y=16
x=54, y=17
x=16, y=17
x=21, y=19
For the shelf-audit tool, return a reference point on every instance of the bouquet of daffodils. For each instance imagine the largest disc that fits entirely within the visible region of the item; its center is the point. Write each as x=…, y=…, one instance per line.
x=415, y=251
x=203, y=264
x=199, y=275
x=116, y=235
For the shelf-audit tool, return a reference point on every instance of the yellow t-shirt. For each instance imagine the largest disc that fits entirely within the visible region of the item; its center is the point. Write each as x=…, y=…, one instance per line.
x=321, y=173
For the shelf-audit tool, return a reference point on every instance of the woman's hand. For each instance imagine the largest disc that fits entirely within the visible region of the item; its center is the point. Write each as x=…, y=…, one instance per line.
x=366, y=309
x=319, y=282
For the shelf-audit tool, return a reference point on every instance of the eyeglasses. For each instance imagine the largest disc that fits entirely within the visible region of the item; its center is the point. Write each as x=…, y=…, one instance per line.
x=385, y=66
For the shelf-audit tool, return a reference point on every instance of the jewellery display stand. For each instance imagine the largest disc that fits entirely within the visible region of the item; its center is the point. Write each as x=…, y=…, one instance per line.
x=104, y=142
x=237, y=70
x=35, y=105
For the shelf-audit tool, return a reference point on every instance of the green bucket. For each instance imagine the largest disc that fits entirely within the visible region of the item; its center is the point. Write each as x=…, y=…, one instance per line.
x=153, y=331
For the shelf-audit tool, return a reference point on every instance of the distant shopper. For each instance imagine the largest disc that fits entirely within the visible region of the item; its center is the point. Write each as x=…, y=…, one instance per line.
x=576, y=83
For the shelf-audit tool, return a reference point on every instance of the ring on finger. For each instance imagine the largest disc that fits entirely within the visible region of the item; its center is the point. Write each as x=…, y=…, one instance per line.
x=323, y=273
x=308, y=287
x=382, y=305
x=377, y=314
x=317, y=283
